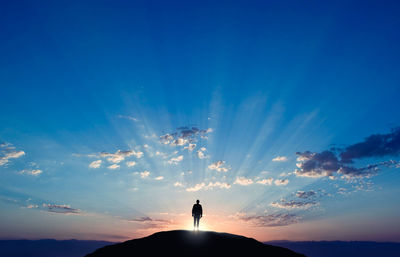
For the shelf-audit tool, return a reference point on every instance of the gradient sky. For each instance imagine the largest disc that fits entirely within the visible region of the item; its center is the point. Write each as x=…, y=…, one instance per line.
x=282, y=117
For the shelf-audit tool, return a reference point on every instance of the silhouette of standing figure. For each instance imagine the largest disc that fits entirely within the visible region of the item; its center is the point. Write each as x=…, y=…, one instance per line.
x=197, y=213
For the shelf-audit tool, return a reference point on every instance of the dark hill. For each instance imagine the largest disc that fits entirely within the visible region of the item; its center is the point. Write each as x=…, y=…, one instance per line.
x=189, y=244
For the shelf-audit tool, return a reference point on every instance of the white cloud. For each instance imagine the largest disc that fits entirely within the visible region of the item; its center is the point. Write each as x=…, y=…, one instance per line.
x=8, y=152
x=218, y=166
x=190, y=147
x=223, y=185
x=128, y=118
x=281, y=182
x=159, y=178
x=95, y=164
x=130, y=163
x=195, y=188
x=176, y=160
x=265, y=181
x=113, y=166
x=119, y=156
x=35, y=172
x=243, y=181
x=209, y=186
x=178, y=184
x=144, y=174
x=279, y=159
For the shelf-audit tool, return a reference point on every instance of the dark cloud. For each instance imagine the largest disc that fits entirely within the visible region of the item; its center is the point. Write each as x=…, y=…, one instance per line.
x=329, y=163
x=141, y=219
x=305, y=194
x=184, y=135
x=270, y=220
x=63, y=209
x=316, y=164
x=283, y=204
x=378, y=145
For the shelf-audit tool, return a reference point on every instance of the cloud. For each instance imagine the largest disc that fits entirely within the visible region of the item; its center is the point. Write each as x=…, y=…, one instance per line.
x=184, y=135
x=130, y=163
x=159, y=178
x=200, y=153
x=113, y=166
x=95, y=164
x=283, y=204
x=377, y=145
x=32, y=206
x=141, y=219
x=196, y=187
x=265, y=181
x=62, y=209
x=211, y=185
x=119, y=155
x=144, y=174
x=175, y=160
x=316, y=165
x=150, y=223
x=7, y=152
x=269, y=220
x=178, y=184
x=190, y=147
x=305, y=194
x=328, y=163
x=243, y=181
x=35, y=172
x=128, y=118
x=279, y=159
x=281, y=182
x=218, y=166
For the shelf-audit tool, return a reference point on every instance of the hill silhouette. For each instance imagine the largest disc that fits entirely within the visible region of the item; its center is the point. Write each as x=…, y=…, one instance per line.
x=189, y=244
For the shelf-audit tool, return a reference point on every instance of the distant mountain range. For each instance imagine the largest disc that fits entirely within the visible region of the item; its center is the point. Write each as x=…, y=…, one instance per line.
x=341, y=248
x=79, y=248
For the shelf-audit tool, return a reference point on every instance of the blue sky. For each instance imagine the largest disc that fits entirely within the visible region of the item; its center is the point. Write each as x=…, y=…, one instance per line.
x=115, y=117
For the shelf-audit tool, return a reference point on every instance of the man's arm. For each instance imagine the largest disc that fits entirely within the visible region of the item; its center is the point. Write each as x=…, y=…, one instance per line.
x=201, y=211
x=193, y=211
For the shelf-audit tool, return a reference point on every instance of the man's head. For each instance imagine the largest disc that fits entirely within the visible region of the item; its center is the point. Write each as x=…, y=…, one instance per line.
x=198, y=201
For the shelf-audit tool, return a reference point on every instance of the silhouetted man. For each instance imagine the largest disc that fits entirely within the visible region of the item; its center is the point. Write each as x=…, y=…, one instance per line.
x=197, y=213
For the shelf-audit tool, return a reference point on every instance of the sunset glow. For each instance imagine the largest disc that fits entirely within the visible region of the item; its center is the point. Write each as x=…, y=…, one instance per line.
x=117, y=116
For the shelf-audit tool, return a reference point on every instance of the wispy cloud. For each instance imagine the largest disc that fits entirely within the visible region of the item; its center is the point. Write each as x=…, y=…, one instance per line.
x=283, y=204
x=159, y=178
x=281, y=182
x=243, y=181
x=218, y=166
x=61, y=208
x=95, y=164
x=34, y=172
x=7, y=152
x=128, y=118
x=279, y=159
x=113, y=166
x=175, y=160
x=269, y=220
x=144, y=174
x=266, y=181
x=178, y=184
x=210, y=185
x=131, y=163
x=305, y=194
x=119, y=155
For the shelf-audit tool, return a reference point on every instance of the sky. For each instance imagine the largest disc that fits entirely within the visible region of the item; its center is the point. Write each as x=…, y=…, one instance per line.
x=281, y=117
